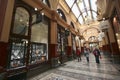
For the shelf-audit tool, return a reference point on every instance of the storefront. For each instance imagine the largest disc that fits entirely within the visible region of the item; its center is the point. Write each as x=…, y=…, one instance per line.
x=28, y=41
x=62, y=43
x=116, y=29
x=35, y=39
x=73, y=46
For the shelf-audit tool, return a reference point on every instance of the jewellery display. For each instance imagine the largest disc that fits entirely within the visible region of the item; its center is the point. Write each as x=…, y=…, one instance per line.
x=38, y=52
x=18, y=51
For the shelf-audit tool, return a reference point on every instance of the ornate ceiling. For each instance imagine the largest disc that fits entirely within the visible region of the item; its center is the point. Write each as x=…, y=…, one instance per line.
x=85, y=12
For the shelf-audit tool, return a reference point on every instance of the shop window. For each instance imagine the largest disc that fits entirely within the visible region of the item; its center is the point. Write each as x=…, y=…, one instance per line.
x=18, y=41
x=39, y=40
x=62, y=15
x=73, y=46
x=38, y=52
x=18, y=51
x=62, y=41
x=21, y=22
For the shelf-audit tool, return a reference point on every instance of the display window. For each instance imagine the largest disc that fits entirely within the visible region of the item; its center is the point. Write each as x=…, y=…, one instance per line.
x=21, y=22
x=62, y=41
x=19, y=38
x=18, y=49
x=73, y=46
x=39, y=40
x=28, y=42
x=38, y=53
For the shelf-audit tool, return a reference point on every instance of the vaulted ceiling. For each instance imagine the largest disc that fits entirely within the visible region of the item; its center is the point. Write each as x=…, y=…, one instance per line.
x=85, y=12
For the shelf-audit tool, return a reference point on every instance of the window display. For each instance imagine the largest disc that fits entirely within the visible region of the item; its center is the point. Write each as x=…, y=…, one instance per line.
x=73, y=46
x=62, y=41
x=38, y=52
x=18, y=51
x=39, y=41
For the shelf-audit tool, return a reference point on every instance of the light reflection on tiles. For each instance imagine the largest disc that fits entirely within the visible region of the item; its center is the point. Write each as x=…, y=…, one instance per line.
x=82, y=71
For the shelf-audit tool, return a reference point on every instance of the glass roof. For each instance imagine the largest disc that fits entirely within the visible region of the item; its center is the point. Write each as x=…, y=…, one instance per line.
x=84, y=10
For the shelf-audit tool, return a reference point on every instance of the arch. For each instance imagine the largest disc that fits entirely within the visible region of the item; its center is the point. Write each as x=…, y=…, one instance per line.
x=88, y=10
x=62, y=15
x=92, y=39
x=26, y=8
x=91, y=28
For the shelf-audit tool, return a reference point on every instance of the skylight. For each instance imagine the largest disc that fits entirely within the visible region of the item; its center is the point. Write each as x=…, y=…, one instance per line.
x=83, y=10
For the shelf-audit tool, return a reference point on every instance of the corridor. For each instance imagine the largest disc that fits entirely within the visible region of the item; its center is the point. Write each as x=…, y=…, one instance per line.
x=74, y=70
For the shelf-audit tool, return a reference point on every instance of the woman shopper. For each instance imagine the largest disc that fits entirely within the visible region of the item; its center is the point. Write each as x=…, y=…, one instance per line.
x=78, y=53
x=86, y=53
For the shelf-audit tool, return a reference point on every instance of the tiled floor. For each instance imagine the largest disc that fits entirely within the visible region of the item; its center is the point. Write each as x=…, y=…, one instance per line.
x=74, y=70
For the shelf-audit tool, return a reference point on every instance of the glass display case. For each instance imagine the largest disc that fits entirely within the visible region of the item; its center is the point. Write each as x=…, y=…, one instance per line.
x=17, y=53
x=38, y=52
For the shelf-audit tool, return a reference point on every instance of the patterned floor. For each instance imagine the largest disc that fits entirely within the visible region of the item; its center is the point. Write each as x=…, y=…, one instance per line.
x=74, y=70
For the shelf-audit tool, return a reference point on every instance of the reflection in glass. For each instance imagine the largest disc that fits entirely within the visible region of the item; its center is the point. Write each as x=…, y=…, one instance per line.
x=38, y=52
x=39, y=40
x=62, y=42
x=18, y=51
x=21, y=21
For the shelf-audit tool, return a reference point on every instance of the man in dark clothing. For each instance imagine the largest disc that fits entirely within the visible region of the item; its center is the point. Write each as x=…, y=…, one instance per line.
x=97, y=55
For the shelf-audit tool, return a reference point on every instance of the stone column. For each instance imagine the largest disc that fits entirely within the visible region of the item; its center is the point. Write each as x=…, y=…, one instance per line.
x=69, y=48
x=53, y=42
x=5, y=20
x=3, y=6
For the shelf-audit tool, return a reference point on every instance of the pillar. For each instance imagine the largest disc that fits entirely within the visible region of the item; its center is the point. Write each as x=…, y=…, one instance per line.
x=53, y=42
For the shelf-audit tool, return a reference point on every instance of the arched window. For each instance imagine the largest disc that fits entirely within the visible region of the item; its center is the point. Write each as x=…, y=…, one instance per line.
x=72, y=24
x=92, y=39
x=21, y=22
x=62, y=15
x=46, y=2
x=19, y=37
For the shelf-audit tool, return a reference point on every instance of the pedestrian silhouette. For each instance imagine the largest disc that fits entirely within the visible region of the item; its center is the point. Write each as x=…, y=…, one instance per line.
x=97, y=55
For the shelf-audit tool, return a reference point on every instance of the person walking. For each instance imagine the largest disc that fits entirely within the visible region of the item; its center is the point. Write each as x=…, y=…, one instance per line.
x=78, y=53
x=86, y=53
x=97, y=55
